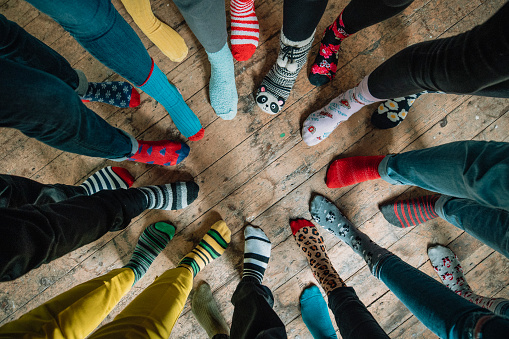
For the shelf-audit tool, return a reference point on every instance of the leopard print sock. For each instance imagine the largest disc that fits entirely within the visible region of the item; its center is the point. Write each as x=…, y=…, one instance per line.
x=311, y=242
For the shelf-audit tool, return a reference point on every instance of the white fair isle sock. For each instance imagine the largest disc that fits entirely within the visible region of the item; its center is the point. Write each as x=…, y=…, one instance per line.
x=245, y=30
x=320, y=124
x=256, y=253
x=173, y=196
x=108, y=178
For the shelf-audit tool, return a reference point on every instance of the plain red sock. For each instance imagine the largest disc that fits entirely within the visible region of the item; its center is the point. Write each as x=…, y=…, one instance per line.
x=350, y=171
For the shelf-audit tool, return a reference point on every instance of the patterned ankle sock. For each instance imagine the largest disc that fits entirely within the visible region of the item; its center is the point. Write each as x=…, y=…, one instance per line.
x=213, y=244
x=353, y=170
x=152, y=241
x=320, y=124
x=326, y=62
x=410, y=212
x=448, y=268
x=245, y=30
x=256, y=253
x=162, y=152
x=315, y=314
x=116, y=93
x=311, y=243
x=173, y=196
x=222, y=88
x=277, y=84
x=108, y=178
x=207, y=313
x=162, y=35
x=328, y=216
x=391, y=113
x=159, y=88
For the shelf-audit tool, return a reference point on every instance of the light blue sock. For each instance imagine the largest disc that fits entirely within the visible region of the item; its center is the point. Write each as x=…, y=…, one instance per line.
x=315, y=314
x=159, y=88
x=222, y=88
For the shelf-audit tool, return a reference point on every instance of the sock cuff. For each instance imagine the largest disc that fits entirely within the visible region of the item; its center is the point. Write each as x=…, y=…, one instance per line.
x=364, y=89
x=297, y=44
x=149, y=74
x=297, y=224
x=82, y=88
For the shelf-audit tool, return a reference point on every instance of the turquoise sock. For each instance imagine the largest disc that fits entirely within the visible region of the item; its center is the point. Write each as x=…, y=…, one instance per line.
x=159, y=88
x=315, y=314
x=222, y=88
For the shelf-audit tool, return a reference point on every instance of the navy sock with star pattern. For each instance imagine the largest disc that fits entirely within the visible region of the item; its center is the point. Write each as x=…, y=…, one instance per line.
x=115, y=93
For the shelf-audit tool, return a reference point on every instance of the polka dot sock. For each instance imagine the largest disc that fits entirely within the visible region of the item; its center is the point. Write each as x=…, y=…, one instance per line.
x=245, y=30
x=162, y=152
x=353, y=170
x=115, y=93
x=108, y=178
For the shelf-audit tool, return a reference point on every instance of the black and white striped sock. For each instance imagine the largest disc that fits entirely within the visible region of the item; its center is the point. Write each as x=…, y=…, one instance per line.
x=108, y=178
x=256, y=253
x=170, y=196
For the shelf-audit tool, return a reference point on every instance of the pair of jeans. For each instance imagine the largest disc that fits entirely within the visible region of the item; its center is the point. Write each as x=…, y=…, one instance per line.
x=37, y=92
x=472, y=177
x=41, y=223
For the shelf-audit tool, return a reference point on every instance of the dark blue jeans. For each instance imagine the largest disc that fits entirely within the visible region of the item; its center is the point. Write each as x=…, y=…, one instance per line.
x=37, y=92
x=473, y=177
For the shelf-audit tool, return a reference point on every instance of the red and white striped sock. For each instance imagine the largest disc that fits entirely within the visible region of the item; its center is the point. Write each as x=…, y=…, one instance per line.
x=244, y=29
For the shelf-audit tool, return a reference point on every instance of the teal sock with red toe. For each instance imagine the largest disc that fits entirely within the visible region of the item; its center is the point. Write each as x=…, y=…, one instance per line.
x=162, y=152
x=353, y=170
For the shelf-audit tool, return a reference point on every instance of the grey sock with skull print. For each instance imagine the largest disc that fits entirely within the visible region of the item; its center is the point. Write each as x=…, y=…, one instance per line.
x=328, y=216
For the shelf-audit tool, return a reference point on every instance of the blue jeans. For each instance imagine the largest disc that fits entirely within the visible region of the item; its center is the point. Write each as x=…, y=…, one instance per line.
x=442, y=311
x=472, y=177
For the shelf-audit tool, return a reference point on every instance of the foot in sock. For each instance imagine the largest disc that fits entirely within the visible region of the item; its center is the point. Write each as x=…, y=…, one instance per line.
x=108, y=178
x=222, y=88
x=244, y=29
x=315, y=314
x=116, y=93
x=207, y=313
x=173, y=196
x=353, y=170
x=277, y=84
x=162, y=152
x=311, y=243
x=256, y=253
x=213, y=244
x=448, y=268
x=410, y=212
x=320, y=124
x=328, y=216
x=152, y=241
x=326, y=62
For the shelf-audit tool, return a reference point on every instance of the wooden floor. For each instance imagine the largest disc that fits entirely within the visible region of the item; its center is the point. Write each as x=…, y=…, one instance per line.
x=257, y=169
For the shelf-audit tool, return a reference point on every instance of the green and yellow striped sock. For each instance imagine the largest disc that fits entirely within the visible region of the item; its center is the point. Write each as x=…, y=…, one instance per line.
x=213, y=244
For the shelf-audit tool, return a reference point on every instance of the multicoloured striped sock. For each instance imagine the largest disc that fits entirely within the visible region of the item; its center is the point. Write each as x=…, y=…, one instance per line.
x=410, y=212
x=213, y=244
x=173, y=196
x=256, y=253
x=152, y=241
x=108, y=178
x=245, y=30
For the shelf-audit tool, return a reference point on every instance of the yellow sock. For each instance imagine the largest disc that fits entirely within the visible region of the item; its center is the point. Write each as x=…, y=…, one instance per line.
x=162, y=35
x=212, y=245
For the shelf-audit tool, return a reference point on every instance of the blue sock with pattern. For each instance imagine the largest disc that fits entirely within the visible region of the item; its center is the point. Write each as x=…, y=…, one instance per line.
x=116, y=93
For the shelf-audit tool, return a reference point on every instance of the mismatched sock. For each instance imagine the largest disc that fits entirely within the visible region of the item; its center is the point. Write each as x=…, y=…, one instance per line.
x=152, y=241
x=256, y=253
x=173, y=196
x=244, y=29
x=353, y=170
x=410, y=212
x=108, y=178
x=162, y=152
x=213, y=244
x=222, y=88
x=207, y=313
x=315, y=314
x=116, y=93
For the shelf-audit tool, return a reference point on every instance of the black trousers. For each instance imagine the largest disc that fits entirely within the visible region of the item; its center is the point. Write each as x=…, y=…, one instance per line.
x=40, y=223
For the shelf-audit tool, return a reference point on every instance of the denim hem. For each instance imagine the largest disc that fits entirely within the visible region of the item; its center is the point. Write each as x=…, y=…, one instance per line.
x=382, y=170
x=439, y=205
x=134, y=148
x=82, y=88
x=377, y=267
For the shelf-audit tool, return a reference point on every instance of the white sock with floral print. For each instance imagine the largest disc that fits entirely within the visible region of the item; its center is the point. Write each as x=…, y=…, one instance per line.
x=320, y=124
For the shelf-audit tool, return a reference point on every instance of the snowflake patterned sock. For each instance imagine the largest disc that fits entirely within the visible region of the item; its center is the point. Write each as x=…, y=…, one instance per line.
x=162, y=152
x=326, y=62
x=277, y=84
x=222, y=88
x=448, y=268
x=315, y=314
x=353, y=170
x=256, y=253
x=152, y=241
x=328, y=216
x=245, y=30
x=320, y=124
x=410, y=212
x=311, y=243
x=116, y=93
x=108, y=178
x=173, y=196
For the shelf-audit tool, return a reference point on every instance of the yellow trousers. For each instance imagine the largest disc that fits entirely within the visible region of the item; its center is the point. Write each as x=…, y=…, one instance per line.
x=77, y=312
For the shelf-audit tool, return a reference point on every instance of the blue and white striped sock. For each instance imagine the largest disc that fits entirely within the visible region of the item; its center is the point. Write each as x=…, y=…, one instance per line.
x=173, y=196
x=108, y=178
x=256, y=253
